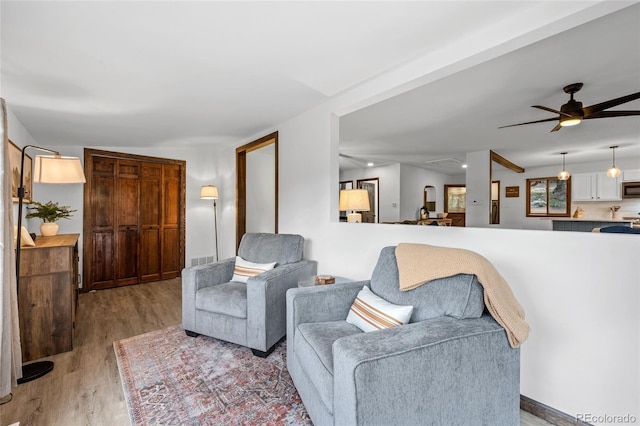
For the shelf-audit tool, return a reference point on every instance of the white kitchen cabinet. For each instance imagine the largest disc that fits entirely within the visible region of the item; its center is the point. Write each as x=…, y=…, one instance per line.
x=595, y=187
x=631, y=175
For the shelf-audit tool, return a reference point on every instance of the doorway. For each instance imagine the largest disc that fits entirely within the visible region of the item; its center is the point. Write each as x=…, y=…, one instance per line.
x=257, y=187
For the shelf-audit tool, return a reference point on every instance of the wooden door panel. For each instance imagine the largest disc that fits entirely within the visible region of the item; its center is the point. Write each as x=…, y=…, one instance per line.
x=150, y=254
x=127, y=197
x=127, y=257
x=103, y=261
x=170, y=253
x=102, y=198
x=171, y=214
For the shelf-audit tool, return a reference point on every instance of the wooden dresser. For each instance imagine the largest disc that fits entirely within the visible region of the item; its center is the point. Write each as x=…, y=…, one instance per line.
x=48, y=295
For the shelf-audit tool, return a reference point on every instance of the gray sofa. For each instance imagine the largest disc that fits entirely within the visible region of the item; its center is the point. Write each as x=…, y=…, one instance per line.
x=251, y=314
x=451, y=365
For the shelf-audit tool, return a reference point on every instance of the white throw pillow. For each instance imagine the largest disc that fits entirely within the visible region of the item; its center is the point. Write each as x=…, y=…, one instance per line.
x=245, y=269
x=370, y=312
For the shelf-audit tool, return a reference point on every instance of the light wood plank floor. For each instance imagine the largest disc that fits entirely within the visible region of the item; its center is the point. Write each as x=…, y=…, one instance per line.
x=84, y=388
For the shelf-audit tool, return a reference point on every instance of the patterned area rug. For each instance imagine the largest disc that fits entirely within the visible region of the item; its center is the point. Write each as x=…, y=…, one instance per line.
x=172, y=379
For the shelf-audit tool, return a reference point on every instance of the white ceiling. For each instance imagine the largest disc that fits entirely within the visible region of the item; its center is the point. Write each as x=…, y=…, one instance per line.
x=442, y=121
x=175, y=73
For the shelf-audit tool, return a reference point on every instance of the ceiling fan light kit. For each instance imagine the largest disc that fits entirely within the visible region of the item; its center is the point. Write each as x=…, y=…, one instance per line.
x=572, y=113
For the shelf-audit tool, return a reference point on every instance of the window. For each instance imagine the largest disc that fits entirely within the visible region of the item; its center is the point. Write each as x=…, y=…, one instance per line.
x=548, y=197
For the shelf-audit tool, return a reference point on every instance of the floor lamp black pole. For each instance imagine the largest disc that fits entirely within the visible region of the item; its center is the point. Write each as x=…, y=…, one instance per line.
x=37, y=369
x=215, y=225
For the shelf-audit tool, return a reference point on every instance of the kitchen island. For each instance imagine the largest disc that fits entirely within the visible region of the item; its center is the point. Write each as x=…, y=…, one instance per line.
x=587, y=224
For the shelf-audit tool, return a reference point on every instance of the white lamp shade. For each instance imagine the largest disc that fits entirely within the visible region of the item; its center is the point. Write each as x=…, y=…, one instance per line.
x=354, y=200
x=209, y=192
x=58, y=169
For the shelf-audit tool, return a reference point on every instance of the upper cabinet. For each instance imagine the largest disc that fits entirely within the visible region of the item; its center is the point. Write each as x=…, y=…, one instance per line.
x=631, y=175
x=595, y=187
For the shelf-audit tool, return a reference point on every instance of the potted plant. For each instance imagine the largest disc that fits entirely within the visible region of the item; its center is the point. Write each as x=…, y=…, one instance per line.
x=49, y=212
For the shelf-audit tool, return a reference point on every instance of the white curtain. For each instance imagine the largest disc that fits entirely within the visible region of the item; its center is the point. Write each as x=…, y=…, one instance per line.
x=10, y=351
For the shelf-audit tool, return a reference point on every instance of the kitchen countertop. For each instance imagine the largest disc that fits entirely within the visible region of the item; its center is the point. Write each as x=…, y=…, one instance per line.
x=595, y=219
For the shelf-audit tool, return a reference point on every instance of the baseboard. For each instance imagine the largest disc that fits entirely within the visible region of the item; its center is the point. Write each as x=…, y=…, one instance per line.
x=549, y=414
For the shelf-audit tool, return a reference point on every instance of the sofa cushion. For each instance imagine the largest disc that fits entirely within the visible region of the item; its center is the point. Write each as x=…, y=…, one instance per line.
x=313, y=346
x=370, y=312
x=460, y=296
x=227, y=299
x=243, y=269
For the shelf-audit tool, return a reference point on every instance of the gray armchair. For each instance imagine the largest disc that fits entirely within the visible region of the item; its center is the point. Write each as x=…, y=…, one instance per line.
x=451, y=365
x=251, y=314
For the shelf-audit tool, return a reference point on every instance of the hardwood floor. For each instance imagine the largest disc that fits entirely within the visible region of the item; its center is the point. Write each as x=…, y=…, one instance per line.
x=84, y=388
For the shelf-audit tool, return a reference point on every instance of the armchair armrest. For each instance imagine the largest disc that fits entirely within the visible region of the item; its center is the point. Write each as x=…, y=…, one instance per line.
x=442, y=369
x=266, y=302
x=320, y=303
x=197, y=277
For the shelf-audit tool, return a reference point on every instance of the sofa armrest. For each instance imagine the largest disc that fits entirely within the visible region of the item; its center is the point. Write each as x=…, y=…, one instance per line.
x=443, y=369
x=197, y=277
x=266, y=302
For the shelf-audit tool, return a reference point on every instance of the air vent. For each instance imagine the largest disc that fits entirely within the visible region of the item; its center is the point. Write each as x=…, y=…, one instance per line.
x=443, y=162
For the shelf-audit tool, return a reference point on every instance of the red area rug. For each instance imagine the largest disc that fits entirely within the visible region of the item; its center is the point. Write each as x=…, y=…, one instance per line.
x=172, y=379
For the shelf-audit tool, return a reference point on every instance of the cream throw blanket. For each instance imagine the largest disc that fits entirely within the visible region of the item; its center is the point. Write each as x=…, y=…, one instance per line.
x=445, y=262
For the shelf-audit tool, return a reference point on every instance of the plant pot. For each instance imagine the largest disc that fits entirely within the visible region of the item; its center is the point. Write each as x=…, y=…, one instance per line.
x=49, y=229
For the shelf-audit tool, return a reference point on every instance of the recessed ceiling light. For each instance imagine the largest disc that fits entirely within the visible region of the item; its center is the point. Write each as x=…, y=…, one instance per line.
x=369, y=164
x=464, y=166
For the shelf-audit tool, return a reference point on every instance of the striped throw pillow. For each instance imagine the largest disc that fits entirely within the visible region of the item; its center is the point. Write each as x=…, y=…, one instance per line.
x=370, y=312
x=245, y=269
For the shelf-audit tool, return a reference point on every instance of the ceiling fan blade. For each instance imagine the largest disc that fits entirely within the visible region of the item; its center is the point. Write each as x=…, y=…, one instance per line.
x=590, y=110
x=550, y=110
x=530, y=122
x=558, y=127
x=604, y=114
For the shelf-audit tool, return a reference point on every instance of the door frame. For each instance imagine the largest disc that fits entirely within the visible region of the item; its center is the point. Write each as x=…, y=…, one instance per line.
x=89, y=153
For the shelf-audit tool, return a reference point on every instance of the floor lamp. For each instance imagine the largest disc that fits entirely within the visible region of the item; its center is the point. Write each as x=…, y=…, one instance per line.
x=47, y=169
x=210, y=192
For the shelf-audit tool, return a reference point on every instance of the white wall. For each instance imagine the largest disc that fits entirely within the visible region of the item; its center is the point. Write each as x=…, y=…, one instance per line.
x=478, y=189
x=580, y=290
x=261, y=190
x=412, y=183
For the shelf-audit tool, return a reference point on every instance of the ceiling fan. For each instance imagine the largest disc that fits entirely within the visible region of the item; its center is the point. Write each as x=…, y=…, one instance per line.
x=573, y=112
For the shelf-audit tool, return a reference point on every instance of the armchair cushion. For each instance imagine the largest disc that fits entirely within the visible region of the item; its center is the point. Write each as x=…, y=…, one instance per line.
x=227, y=299
x=244, y=269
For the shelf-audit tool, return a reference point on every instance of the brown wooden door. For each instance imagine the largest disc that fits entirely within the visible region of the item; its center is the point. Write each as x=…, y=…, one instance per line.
x=150, y=221
x=101, y=189
x=134, y=219
x=171, y=221
x=127, y=219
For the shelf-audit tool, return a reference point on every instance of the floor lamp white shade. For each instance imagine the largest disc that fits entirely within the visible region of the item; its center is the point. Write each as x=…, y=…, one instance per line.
x=57, y=169
x=210, y=192
x=354, y=200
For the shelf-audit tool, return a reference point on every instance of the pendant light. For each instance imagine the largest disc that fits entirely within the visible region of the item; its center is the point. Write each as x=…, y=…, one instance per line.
x=563, y=175
x=613, y=172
